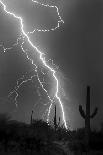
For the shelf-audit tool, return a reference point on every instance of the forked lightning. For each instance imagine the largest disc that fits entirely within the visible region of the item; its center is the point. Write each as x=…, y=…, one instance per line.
x=25, y=35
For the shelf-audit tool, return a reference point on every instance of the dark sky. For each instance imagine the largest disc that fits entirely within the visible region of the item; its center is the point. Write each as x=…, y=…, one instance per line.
x=76, y=47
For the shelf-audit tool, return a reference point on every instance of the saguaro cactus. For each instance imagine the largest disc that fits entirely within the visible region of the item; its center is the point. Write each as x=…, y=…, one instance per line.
x=59, y=122
x=55, y=119
x=87, y=116
x=31, y=121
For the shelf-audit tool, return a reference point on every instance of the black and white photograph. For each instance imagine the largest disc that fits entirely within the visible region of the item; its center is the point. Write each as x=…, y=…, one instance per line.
x=51, y=77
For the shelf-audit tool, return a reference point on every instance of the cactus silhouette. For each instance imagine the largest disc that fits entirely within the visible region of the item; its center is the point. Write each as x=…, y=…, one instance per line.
x=31, y=121
x=55, y=120
x=87, y=116
x=56, y=124
x=59, y=122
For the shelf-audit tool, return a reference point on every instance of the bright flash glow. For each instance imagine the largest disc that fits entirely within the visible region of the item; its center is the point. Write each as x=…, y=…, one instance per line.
x=25, y=35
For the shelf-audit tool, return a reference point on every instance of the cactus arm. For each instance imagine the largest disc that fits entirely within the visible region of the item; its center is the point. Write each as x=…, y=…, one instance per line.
x=82, y=111
x=94, y=113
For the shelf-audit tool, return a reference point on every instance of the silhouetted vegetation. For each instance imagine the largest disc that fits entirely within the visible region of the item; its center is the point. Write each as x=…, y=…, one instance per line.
x=87, y=116
x=36, y=137
x=77, y=144
x=40, y=138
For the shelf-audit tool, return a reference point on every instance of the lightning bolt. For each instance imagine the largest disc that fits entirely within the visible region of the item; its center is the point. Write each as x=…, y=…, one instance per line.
x=25, y=36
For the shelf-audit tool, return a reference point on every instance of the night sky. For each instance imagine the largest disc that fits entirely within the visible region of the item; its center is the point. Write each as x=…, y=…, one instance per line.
x=76, y=47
